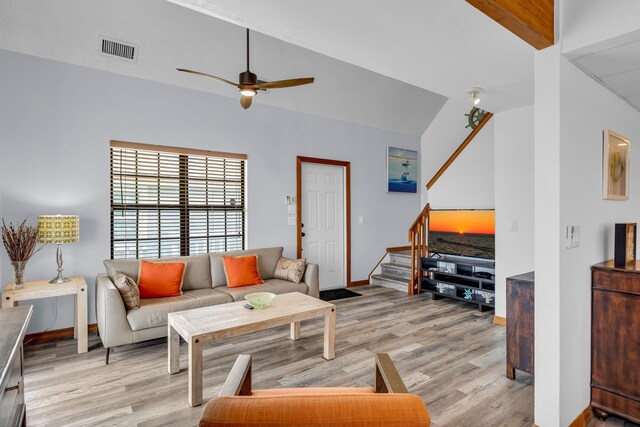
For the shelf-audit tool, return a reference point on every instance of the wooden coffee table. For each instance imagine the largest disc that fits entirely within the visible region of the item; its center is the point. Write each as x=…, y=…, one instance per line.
x=200, y=326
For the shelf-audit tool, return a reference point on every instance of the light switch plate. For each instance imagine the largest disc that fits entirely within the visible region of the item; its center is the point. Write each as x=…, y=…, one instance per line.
x=361, y=219
x=513, y=225
x=291, y=220
x=572, y=236
x=291, y=209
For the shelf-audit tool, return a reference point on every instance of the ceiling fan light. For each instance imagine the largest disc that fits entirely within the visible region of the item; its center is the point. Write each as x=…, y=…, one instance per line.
x=247, y=92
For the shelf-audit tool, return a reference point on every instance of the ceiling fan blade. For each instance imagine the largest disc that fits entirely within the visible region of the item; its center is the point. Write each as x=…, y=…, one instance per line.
x=245, y=101
x=207, y=76
x=285, y=83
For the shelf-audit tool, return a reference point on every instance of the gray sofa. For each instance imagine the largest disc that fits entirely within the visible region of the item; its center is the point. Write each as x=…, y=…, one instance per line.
x=204, y=284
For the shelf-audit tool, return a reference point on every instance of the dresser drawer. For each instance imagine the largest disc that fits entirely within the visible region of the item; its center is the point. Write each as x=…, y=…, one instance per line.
x=616, y=281
x=12, y=395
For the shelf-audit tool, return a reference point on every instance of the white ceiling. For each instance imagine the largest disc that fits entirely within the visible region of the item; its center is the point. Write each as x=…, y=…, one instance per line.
x=445, y=46
x=617, y=68
x=171, y=36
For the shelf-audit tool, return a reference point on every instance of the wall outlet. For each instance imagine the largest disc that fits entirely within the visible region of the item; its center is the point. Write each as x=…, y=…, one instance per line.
x=572, y=236
x=291, y=220
x=513, y=226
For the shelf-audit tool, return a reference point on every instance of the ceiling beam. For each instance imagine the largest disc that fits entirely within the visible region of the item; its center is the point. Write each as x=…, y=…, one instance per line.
x=532, y=21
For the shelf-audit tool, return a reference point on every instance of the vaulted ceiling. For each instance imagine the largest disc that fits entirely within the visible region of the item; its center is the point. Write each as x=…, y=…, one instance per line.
x=390, y=65
x=445, y=46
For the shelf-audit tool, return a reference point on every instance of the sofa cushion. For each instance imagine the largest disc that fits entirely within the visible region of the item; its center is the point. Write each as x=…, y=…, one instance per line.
x=129, y=291
x=276, y=286
x=267, y=260
x=290, y=269
x=333, y=408
x=196, y=276
x=153, y=312
x=242, y=271
x=160, y=279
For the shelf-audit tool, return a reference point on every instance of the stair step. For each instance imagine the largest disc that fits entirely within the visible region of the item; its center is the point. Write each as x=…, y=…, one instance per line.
x=397, y=271
x=396, y=265
x=403, y=257
x=390, y=282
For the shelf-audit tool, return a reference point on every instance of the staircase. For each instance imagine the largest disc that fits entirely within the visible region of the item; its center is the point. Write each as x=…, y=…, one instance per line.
x=396, y=273
x=404, y=271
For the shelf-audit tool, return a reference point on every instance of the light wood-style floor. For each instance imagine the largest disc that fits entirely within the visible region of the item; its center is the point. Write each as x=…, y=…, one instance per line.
x=446, y=351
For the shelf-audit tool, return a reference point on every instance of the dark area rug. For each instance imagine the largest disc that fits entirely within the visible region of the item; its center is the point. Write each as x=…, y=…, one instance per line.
x=335, y=294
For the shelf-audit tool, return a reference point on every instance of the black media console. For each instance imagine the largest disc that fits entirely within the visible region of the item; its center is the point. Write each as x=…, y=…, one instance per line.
x=460, y=278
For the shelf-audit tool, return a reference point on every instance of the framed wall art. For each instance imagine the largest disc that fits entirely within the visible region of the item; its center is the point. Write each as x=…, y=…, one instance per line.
x=615, y=166
x=402, y=170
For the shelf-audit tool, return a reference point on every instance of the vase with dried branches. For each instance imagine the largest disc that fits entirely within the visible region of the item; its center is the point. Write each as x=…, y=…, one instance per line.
x=20, y=243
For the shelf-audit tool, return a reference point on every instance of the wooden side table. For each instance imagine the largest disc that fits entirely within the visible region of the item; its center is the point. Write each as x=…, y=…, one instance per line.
x=43, y=289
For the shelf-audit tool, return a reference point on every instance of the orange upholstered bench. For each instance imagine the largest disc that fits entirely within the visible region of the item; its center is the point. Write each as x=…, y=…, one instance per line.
x=388, y=404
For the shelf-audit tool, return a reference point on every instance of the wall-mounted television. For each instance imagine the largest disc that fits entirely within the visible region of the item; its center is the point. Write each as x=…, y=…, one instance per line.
x=463, y=232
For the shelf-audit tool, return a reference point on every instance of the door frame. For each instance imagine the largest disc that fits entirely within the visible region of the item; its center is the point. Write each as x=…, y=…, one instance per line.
x=347, y=196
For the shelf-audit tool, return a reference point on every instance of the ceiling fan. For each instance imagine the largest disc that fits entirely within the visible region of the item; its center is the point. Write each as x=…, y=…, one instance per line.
x=249, y=83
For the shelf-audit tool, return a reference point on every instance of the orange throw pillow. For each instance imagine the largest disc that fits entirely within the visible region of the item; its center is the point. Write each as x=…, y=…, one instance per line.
x=160, y=279
x=242, y=271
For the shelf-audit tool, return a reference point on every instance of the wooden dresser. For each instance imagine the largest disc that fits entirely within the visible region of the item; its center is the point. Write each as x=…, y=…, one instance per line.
x=615, y=341
x=520, y=324
x=13, y=325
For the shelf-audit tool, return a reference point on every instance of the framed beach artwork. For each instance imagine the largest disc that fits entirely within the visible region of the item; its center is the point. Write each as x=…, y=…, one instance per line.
x=615, y=166
x=402, y=170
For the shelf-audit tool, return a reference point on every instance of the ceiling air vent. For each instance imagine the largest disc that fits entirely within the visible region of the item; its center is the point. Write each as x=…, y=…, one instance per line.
x=120, y=49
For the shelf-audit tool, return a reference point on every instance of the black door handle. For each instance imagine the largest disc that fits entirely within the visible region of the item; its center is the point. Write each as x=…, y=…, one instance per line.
x=302, y=234
x=302, y=225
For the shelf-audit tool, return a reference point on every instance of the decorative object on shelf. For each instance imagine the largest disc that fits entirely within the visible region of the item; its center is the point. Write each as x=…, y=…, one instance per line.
x=468, y=294
x=487, y=297
x=20, y=243
x=615, y=166
x=475, y=116
x=625, y=244
x=59, y=229
x=443, y=288
x=402, y=170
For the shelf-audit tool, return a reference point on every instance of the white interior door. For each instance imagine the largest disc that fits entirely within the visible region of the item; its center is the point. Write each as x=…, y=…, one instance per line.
x=323, y=219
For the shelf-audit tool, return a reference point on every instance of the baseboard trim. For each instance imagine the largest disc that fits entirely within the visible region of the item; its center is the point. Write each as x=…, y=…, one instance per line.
x=583, y=419
x=359, y=283
x=55, y=334
x=497, y=320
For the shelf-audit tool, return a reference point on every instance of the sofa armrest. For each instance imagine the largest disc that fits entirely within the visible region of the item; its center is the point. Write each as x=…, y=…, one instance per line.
x=111, y=314
x=311, y=279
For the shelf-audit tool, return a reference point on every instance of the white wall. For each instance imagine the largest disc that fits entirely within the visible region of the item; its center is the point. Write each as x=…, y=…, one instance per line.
x=56, y=121
x=469, y=181
x=572, y=110
x=584, y=23
x=514, y=197
x=582, y=204
x=547, y=237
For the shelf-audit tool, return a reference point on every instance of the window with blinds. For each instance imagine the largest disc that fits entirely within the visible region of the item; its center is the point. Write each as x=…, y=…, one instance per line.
x=168, y=202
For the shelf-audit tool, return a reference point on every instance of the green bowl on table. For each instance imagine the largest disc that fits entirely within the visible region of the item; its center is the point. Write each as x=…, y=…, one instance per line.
x=260, y=300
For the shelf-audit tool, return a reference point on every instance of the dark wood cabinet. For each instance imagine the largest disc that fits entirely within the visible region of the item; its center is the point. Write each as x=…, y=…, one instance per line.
x=615, y=340
x=13, y=326
x=520, y=324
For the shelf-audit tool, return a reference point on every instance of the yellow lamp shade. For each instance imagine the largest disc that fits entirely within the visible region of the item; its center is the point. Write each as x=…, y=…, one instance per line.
x=58, y=229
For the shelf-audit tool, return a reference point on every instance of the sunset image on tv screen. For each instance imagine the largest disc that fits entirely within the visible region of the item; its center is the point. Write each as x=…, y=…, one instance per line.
x=463, y=221
x=462, y=232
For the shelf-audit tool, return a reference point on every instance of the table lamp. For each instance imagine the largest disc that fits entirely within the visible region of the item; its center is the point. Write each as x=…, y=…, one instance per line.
x=58, y=229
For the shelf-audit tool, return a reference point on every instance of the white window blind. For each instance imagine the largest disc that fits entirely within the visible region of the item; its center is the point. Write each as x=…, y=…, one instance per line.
x=168, y=202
